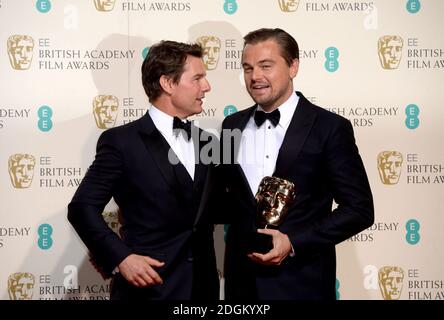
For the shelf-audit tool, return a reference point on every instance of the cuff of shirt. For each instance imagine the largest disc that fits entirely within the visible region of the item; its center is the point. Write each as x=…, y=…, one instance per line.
x=116, y=270
x=292, y=254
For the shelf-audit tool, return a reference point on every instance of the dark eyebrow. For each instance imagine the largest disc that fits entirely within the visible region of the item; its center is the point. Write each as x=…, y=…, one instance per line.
x=260, y=62
x=266, y=61
x=199, y=75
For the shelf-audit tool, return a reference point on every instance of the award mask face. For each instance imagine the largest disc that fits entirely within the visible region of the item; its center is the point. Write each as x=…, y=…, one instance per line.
x=391, y=282
x=274, y=197
x=105, y=109
x=21, y=285
x=389, y=166
x=21, y=170
x=390, y=51
x=20, y=51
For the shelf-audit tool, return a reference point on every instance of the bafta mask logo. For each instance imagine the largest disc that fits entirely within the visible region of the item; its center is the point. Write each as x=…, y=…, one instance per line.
x=211, y=46
x=390, y=51
x=104, y=5
x=274, y=197
x=288, y=5
x=20, y=50
x=21, y=286
x=112, y=220
x=389, y=166
x=21, y=170
x=105, y=111
x=390, y=280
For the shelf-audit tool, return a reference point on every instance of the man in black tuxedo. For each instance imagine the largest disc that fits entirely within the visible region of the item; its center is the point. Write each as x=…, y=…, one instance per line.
x=152, y=169
x=286, y=136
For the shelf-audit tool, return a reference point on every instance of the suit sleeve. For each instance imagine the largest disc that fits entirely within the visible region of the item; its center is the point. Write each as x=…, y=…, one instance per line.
x=91, y=197
x=350, y=188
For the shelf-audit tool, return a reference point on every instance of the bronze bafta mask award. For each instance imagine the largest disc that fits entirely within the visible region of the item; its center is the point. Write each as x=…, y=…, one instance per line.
x=274, y=197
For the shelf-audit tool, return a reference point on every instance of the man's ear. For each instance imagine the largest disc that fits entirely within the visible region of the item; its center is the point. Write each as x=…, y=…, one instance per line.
x=166, y=83
x=294, y=68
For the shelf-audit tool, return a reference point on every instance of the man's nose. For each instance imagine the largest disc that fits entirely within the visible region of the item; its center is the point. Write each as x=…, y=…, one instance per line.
x=393, y=52
x=273, y=200
x=23, y=52
x=206, y=85
x=256, y=74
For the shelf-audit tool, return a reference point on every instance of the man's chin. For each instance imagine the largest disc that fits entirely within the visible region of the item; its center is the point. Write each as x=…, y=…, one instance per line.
x=258, y=99
x=198, y=110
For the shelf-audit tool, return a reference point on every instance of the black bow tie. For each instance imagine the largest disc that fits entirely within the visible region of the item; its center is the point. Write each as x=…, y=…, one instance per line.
x=260, y=117
x=179, y=124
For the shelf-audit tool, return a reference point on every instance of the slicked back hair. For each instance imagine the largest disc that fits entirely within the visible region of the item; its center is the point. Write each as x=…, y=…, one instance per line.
x=287, y=44
x=166, y=58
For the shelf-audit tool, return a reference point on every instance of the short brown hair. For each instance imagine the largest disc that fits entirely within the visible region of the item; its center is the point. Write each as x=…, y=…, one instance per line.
x=288, y=45
x=166, y=58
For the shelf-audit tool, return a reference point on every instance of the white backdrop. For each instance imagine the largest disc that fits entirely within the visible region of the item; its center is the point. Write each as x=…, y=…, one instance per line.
x=57, y=56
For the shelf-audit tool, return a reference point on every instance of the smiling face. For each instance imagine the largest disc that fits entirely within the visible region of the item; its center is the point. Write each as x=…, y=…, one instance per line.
x=187, y=95
x=268, y=77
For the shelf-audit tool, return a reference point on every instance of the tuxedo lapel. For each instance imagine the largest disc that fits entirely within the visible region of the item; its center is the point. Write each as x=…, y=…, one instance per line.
x=240, y=125
x=159, y=149
x=199, y=168
x=235, y=145
x=200, y=174
x=300, y=125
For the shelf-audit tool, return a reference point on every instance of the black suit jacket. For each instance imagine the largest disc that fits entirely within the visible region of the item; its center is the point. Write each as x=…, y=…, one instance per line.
x=320, y=156
x=161, y=211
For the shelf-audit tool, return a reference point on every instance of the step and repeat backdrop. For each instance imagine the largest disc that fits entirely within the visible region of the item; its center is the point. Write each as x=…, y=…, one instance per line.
x=71, y=69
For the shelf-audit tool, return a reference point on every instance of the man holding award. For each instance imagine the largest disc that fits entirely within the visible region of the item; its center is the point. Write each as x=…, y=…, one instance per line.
x=284, y=162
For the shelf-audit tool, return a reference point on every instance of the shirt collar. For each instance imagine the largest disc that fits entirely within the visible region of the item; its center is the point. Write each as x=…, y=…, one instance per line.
x=162, y=121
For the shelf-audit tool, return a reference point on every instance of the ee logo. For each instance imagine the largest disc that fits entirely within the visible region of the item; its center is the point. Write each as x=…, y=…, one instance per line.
x=230, y=6
x=45, y=114
x=43, y=6
x=412, y=236
x=413, y=6
x=332, y=63
x=230, y=109
x=45, y=232
x=412, y=120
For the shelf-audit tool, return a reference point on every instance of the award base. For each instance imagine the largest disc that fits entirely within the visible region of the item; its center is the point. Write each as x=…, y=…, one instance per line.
x=260, y=243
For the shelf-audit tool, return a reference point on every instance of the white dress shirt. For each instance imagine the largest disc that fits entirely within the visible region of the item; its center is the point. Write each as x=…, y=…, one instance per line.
x=259, y=147
x=183, y=148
